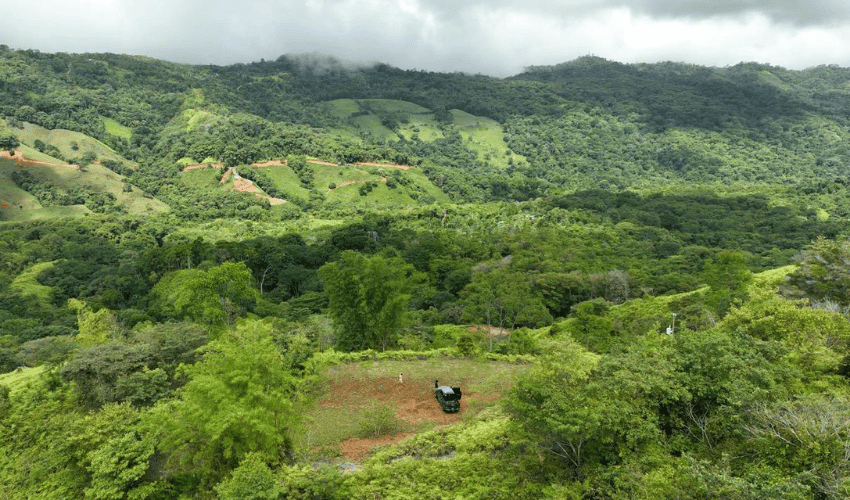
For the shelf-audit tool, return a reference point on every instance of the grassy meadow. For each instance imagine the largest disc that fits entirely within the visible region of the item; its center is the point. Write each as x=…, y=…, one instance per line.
x=18, y=205
x=65, y=140
x=21, y=378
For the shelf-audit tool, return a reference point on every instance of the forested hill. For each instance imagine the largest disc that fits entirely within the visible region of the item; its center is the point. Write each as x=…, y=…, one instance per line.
x=219, y=282
x=588, y=123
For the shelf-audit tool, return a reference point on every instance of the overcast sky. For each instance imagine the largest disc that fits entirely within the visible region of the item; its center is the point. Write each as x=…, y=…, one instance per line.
x=493, y=37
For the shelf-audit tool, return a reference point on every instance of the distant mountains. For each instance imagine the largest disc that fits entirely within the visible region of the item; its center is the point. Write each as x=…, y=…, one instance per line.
x=587, y=123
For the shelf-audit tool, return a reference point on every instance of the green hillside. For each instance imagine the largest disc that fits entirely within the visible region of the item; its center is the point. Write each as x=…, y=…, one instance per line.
x=55, y=190
x=222, y=282
x=71, y=145
x=588, y=123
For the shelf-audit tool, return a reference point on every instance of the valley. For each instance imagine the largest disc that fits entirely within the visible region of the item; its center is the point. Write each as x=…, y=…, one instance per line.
x=211, y=278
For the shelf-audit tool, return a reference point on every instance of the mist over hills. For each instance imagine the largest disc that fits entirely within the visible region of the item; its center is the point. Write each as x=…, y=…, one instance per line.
x=586, y=123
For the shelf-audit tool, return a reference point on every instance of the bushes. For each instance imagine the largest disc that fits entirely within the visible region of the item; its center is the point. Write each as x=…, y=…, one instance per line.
x=367, y=188
x=379, y=420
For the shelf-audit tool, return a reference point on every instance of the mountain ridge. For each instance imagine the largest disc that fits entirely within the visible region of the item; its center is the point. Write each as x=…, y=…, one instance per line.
x=582, y=124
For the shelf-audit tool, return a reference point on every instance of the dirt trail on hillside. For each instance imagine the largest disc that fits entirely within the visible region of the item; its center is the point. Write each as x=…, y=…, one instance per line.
x=202, y=166
x=349, y=183
x=282, y=163
x=246, y=186
x=23, y=160
x=270, y=163
x=225, y=176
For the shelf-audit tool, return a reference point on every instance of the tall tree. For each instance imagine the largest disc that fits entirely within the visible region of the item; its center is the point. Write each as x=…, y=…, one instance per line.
x=369, y=298
x=238, y=401
x=502, y=299
x=9, y=142
x=215, y=296
x=728, y=278
x=823, y=271
x=553, y=404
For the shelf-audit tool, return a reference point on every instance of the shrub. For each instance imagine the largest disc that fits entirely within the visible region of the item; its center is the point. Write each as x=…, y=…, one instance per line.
x=378, y=420
x=251, y=480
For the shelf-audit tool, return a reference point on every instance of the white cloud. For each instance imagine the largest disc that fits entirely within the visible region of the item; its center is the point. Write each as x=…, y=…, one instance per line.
x=497, y=37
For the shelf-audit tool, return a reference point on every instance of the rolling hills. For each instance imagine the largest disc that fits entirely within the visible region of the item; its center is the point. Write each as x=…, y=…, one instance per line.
x=584, y=124
x=211, y=276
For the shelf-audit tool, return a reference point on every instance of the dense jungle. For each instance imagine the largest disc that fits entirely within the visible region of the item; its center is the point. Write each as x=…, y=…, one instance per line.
x=212, y=279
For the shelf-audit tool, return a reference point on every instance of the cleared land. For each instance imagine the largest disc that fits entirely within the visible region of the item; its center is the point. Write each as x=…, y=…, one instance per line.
x=350, y=391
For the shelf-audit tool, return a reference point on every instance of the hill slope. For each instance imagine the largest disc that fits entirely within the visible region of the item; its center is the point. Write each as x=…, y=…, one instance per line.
x=584, y=124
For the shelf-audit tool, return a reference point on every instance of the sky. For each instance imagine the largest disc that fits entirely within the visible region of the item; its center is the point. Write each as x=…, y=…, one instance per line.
x=491, y=37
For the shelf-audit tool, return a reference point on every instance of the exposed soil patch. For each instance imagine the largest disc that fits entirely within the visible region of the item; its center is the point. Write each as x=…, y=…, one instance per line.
x=203, y=165
x=359, y=448
x=246, y=186
x=413, y=402
x=226, y=175
x=271, y=163
x=23, y=160
x=491, y=330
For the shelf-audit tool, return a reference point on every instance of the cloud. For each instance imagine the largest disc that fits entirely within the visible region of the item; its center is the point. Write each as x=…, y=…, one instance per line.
x=497, y=37
x=779, y=11
x=794, y=12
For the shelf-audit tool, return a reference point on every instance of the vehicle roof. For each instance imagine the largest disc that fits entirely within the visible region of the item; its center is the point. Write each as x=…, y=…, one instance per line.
x=446, y=389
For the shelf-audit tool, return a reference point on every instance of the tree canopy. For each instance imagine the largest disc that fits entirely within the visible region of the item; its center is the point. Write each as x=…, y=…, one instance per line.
x=369, y=298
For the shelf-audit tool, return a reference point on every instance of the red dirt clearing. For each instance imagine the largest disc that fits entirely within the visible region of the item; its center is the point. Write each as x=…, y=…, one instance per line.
x=413, y=401
x=246, y=186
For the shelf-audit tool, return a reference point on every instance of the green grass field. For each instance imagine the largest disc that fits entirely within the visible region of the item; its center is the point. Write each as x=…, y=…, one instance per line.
x=21, y=378
x=18, y=205
x=366, y=115
x=114, y=128
x=392, y=105
x=342, y=108
x=203, y=178
x=350, y=178
x=13, y=200
x=287, y=181
x=37, y=155
x=26, y=283
x=64, y=141
x=371, y=125
x=191, y=119
x=486, y=137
